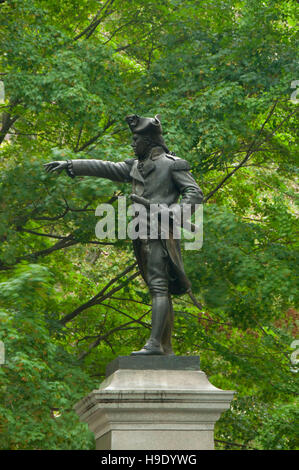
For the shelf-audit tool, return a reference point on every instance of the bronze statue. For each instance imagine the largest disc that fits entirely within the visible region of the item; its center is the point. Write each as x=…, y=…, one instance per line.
x=159, y=177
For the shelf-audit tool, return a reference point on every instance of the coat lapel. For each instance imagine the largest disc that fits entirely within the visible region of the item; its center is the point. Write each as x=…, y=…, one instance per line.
x=135, y=173
x=148, y=167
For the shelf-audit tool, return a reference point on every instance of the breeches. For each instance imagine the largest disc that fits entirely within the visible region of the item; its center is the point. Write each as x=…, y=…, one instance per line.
x=156, y=266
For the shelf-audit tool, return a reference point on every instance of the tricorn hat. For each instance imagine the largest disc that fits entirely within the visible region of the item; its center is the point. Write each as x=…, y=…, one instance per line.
x=144, y=125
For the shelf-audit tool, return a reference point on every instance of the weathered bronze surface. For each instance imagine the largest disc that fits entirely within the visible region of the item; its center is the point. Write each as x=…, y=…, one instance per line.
x=159, y=177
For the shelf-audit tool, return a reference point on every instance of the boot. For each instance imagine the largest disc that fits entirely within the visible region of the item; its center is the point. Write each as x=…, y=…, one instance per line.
x=160, y=309
x=167, y=333
x=151, y=348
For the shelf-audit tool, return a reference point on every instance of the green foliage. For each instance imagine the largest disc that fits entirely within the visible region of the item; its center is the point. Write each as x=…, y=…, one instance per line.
x=220, y=75
x=40, y=381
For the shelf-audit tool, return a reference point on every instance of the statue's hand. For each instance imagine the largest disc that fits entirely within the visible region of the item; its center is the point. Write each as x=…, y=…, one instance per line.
x=55, y=166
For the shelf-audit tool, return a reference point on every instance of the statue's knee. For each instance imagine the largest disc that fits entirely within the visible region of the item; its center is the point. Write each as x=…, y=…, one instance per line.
x=159, y=290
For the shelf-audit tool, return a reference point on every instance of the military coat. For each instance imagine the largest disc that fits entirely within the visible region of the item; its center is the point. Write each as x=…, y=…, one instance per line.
x=161, y=179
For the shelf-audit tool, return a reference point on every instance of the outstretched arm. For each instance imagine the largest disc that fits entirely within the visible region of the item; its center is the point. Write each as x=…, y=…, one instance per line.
x=104, y=169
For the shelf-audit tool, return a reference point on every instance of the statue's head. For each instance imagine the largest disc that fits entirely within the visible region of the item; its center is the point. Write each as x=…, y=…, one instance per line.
x=144, y=125
x=147, y=133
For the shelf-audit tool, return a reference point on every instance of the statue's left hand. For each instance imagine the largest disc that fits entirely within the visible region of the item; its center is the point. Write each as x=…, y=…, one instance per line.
x=55, y=166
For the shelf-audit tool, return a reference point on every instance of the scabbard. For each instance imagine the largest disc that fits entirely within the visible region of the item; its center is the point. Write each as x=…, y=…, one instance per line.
x=146, y=203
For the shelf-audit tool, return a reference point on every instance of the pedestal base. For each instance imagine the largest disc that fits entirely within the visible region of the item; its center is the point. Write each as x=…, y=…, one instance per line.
x=169, y=404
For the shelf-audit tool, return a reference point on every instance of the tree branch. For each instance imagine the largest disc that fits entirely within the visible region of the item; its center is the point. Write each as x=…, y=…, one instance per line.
x=57, y=217
x=93, y=139
x=49, y=235
x=58, y=246
x=125, y=314
x=100, y=297
x=251, y=150
x=79, y=137
x=134, y=20
x=65, y=242
x=7, y=122
x=103, y=337
x=130, y=300
x=41, y=234
x=95, y=21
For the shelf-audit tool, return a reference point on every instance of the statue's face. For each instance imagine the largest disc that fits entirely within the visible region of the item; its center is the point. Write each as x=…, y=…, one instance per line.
x=139, y=145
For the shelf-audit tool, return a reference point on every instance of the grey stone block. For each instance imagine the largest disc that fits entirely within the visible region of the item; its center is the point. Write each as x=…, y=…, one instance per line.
x=153, y=363
x=154, y=409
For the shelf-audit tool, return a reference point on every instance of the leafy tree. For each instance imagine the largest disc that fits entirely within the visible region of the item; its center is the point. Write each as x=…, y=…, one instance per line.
x=40, y=380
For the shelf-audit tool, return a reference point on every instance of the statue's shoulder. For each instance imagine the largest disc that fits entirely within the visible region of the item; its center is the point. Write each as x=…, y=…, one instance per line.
x=177, y=163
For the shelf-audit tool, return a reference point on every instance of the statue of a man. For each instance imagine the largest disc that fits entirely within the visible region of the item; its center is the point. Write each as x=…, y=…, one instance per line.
x=160, y=178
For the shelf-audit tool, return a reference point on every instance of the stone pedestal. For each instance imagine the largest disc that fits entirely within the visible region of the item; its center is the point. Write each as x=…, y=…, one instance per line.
x=154, y=403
